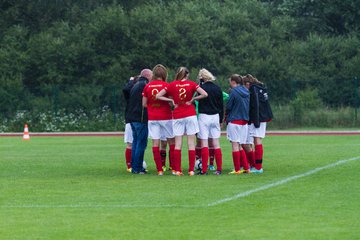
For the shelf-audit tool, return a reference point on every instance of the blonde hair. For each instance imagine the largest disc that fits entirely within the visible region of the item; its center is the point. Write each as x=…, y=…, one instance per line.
x=181, y=73
x=205, y=75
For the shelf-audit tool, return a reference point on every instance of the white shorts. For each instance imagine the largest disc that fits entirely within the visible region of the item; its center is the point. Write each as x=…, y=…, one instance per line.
x=160, y=129
x=163, y=138
x=209, y=126
x=237, y=133
x=128, y=135
x=258, y=132
x=188, y=126
x=249, y=137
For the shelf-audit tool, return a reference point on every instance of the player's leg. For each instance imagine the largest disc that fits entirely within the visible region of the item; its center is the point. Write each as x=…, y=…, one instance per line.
x=155, y=134
x=243, y=159
x=179, y=130
x=128, y=139
x=192, y=128
x=217, y=155
x=211, y=155
x=233, y=135
x=259, y=134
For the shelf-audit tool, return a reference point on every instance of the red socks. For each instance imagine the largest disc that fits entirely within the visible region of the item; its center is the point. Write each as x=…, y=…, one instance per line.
x=218, y=158
x=163, y=157
x=204, y=159
x=171, y=156
x=191, y=160
x=258, y=156
x=157, y=158
x=243, y=160
x=251, y=158
x=198, y=152
x=236, y=160
x=128, y=157
x=177, y=160
x=211, y=155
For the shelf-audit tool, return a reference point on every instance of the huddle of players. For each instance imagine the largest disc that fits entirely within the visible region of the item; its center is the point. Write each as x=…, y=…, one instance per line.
x=168, y=112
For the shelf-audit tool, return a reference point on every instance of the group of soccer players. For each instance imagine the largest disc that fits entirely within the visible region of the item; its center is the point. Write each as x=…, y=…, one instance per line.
x=165, y=112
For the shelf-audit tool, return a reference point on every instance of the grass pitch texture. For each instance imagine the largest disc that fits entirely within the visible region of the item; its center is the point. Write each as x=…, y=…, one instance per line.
x=78, y=188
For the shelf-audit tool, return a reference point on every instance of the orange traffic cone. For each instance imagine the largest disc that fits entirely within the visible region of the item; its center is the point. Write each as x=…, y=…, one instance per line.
x=26, y=135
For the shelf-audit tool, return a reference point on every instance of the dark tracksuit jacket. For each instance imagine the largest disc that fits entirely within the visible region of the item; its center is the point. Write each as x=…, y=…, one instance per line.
x=126, y=92
x=260, y=110
x=214, y=103
x=135, y=111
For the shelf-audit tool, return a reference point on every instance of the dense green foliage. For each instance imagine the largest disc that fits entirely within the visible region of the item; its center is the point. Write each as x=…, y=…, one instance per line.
x=78, y=54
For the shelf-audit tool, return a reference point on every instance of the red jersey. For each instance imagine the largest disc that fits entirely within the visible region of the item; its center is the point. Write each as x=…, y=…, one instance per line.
x=157, y=109
x=182, y=91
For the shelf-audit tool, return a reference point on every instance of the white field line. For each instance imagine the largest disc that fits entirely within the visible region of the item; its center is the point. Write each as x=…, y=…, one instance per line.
x=281, y=182
x=218, y=202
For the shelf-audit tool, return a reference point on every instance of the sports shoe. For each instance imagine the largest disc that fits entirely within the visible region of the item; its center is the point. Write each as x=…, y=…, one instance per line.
x=201, y=173
x=128, y=170
x=173, y=172
x=160, y=173
x=164, y=168
x=217, y=172
x=245, y=171
x=211, y=168
x=191, y=173
x=256, y=171
x=178, y=173
x=235, y=172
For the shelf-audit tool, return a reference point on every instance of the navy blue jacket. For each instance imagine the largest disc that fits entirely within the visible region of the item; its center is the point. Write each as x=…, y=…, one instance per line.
x=237, y=108
x=126, y=91
x=260, y=110
x=135, y=111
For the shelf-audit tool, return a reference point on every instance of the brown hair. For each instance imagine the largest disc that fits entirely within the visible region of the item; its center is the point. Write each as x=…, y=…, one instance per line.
x=253, y=80
x=236, y=78
x=160, y=72
x=181, y=73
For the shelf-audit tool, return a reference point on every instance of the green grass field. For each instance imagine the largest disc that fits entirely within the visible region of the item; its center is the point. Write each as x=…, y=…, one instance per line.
x=77, y=188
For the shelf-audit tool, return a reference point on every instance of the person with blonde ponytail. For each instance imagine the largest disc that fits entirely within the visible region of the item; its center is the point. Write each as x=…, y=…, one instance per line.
x=211, y=111
x=181, y=96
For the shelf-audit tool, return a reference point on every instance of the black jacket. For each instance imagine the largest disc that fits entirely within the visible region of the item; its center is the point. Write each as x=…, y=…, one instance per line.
x=126, y=92
x=260, y=110
x=135, y=111
x=214, y=103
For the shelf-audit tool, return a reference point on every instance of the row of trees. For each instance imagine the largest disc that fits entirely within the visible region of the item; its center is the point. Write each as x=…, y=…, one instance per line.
x=74, y=52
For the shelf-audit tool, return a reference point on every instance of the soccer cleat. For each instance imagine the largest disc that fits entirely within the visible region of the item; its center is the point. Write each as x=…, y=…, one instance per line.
x=211, y=168
x=245, y=171
x=128, y=170
x=173, y=172
x=235, y=172
x=217, y=172
x=201, y=173
x=257, y=171
x=178, y=173
x=160, y=173
x=164, y=168
x=191, y=173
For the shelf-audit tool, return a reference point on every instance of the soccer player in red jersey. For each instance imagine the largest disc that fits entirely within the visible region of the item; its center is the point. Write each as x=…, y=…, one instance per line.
x=159, y=114
x=184, y=115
